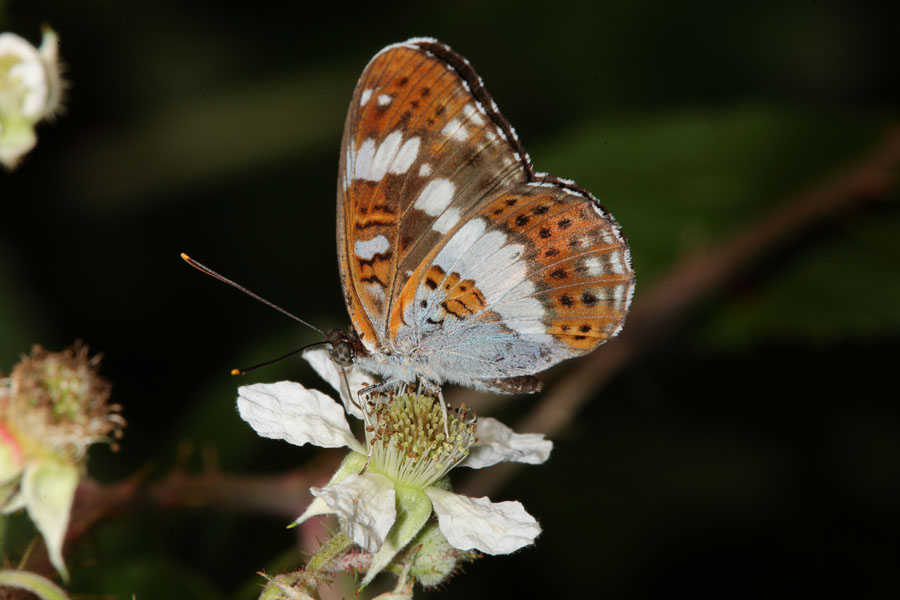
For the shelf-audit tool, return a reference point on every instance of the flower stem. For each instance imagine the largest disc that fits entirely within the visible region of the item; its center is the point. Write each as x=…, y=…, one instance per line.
x=317, y=570
x=330, y=551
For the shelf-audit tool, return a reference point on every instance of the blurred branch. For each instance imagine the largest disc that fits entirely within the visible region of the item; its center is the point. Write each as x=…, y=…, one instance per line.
x=657, y=312
x=281, y=495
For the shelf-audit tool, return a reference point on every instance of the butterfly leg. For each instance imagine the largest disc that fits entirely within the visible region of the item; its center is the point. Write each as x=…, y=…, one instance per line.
x=362, y=402
x=444, y=412
x=433, y=388
x=375, y=388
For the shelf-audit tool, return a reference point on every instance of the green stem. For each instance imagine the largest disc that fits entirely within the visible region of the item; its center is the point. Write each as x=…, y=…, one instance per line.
x=307, y=579
x=40, y=586
x=330, y=551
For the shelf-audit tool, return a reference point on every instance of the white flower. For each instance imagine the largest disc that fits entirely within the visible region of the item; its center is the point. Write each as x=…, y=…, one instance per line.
x=385, y=501
x=53, y=406
x=30, y=91
x=46, y=490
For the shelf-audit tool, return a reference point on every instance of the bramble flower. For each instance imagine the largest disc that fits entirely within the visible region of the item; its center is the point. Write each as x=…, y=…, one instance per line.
x=53, y=406
x=30, y=91
x=386, y=490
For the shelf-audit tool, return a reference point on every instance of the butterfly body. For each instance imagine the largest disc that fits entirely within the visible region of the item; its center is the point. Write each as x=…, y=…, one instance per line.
x=459, y=262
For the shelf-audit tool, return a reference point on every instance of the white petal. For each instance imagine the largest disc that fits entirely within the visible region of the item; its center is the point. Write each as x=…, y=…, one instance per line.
x=316, y=507
x=27, y=70
x=498, y=443
x=288, y=411
x=15, y=503
x=49, y=52
x=493, y=528
x=352, y=464
x=330, y=372
x=413, y=510
x=366, y=504
x=48, y=488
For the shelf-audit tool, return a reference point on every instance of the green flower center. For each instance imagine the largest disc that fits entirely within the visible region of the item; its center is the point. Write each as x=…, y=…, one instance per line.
x=408, y=440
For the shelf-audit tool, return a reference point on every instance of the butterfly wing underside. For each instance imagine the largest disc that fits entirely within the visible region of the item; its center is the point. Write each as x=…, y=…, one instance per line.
x=453, y=251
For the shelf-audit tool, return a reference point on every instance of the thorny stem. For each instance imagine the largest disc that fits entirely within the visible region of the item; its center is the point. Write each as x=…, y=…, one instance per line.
x=330, y=551
x=319, y=566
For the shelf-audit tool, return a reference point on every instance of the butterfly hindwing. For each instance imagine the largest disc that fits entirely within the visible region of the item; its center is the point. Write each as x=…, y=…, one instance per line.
x=538, y=275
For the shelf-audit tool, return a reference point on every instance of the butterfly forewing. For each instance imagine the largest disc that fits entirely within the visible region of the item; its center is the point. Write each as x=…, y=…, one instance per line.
x=459, y=262
x=420, y=153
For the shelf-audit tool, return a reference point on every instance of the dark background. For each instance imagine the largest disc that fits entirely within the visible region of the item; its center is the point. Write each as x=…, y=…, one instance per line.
x=755, y=453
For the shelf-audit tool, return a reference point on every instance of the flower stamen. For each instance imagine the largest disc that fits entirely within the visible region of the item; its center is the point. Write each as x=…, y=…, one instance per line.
x=411, y=442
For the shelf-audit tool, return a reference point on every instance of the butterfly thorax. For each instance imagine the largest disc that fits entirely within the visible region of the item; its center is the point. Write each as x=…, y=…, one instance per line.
x=391, y=364
x=394, y=365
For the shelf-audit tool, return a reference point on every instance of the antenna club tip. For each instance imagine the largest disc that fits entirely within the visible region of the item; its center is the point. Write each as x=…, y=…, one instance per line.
x=237, y=372
x=184, y=256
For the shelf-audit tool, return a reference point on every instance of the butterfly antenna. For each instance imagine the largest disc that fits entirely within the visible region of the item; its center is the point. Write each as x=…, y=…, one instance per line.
x=223, y=279
x=275, y=360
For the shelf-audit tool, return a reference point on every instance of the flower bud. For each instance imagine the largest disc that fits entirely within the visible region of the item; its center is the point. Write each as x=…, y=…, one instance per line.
x=53, y=406
x=435, y=560
x=30, y=91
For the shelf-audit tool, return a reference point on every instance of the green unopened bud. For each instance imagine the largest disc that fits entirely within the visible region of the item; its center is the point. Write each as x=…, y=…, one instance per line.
x=434, y=560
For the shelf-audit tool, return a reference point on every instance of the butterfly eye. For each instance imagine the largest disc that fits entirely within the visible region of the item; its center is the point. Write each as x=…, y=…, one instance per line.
x=342, y=353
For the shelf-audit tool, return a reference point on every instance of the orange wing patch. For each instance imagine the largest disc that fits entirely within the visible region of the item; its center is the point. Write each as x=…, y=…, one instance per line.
x=395, y=99
x=576, y=259
x=375, y=270
x=462, y=299
x=581, y=334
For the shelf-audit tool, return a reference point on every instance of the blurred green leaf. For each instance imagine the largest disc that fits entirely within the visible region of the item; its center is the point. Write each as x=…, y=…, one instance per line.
x=147, y=576
x=686, y=181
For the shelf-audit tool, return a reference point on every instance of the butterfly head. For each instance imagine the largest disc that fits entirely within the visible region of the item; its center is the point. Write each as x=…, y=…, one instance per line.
x=344, y=347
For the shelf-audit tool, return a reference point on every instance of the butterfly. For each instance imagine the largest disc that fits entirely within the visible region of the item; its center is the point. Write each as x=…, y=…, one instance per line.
x=458, y=261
